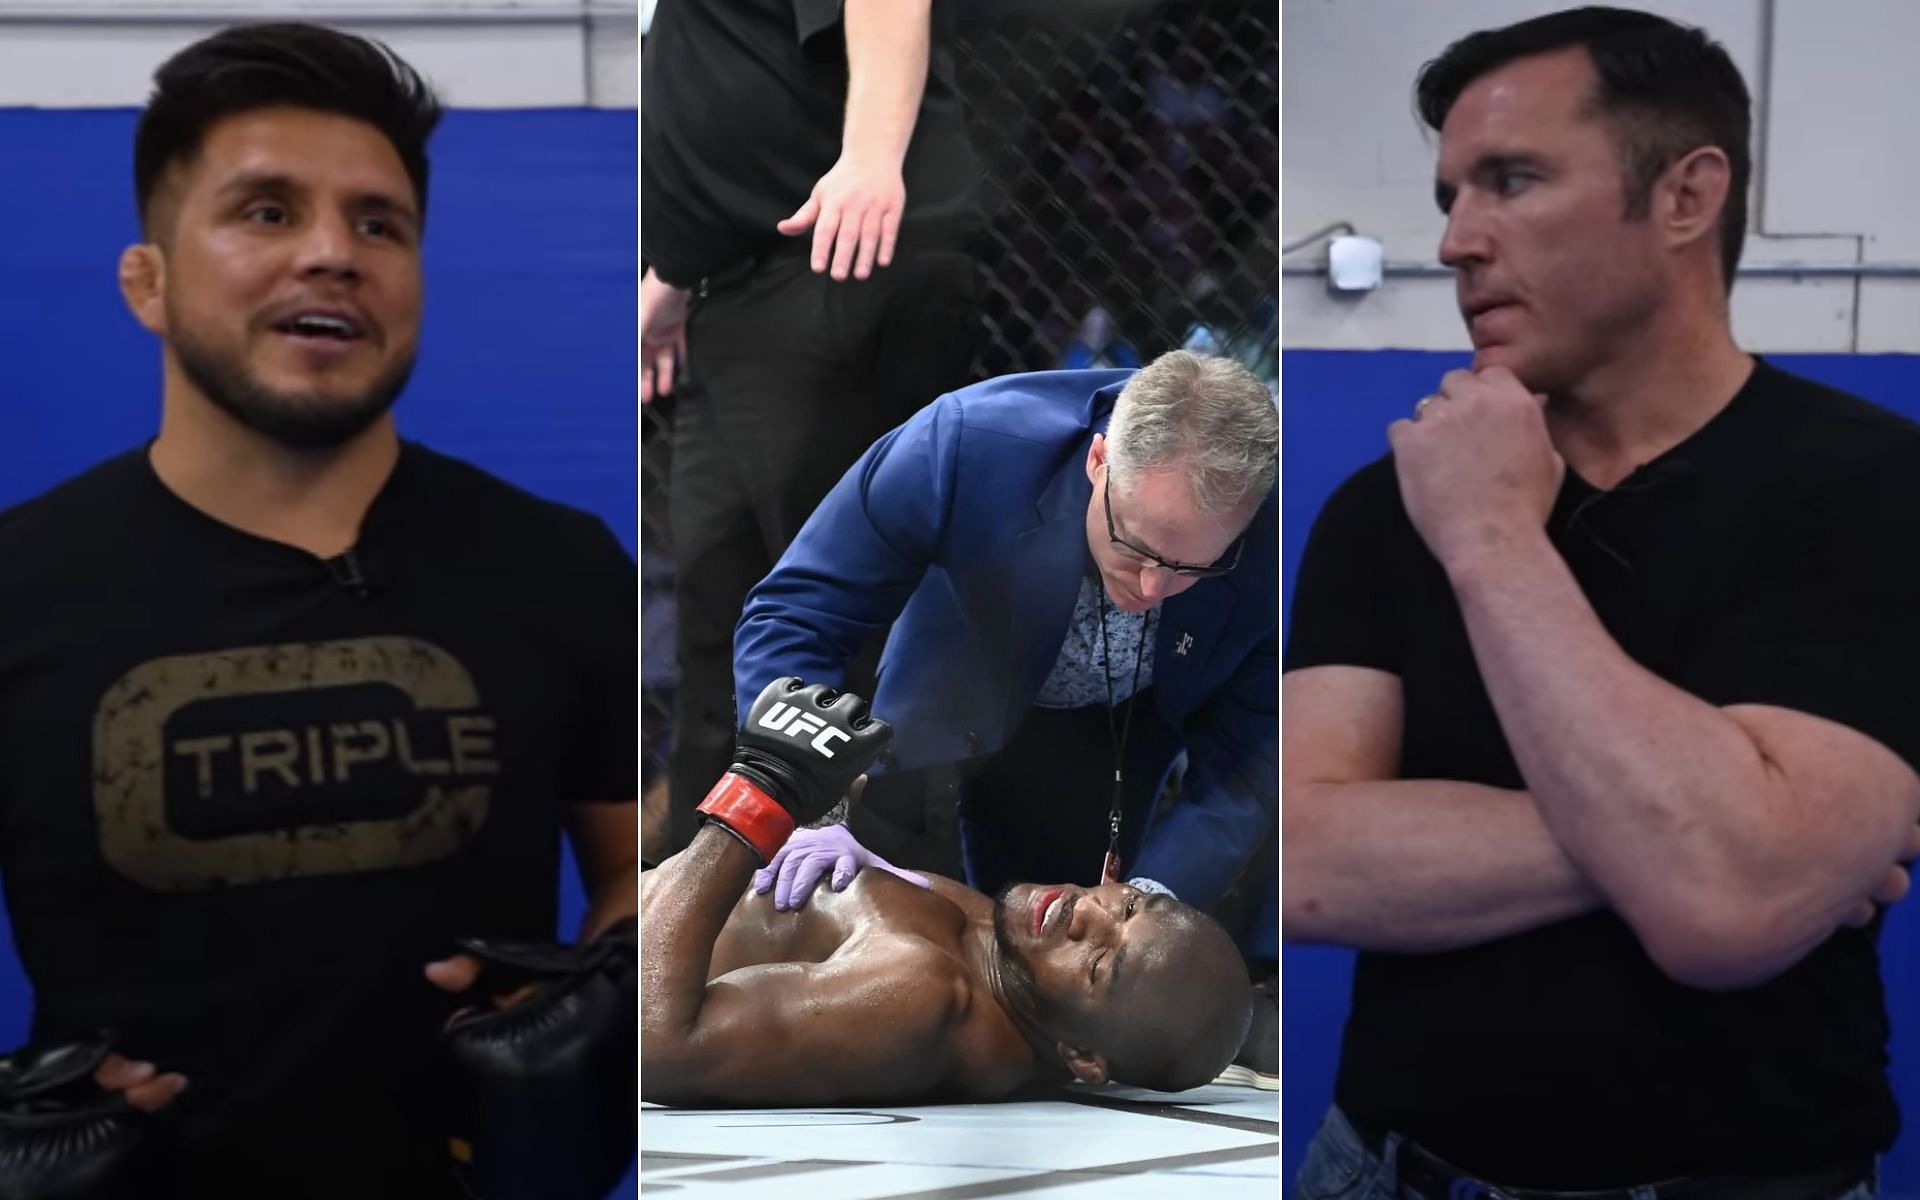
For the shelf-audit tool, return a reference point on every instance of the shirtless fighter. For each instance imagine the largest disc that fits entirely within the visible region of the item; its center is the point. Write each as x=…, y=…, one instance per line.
x=888, y=993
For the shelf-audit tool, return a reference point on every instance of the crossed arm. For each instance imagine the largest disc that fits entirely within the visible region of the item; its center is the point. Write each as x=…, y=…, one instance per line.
x=1405, y=865
x=1733, y=840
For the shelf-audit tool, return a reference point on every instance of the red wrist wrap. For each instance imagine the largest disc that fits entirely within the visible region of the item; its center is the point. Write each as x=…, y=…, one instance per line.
x=757, y=817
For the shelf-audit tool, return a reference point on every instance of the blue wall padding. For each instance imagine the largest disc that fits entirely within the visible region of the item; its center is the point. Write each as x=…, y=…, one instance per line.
x=528, y=361
x=1335, y=407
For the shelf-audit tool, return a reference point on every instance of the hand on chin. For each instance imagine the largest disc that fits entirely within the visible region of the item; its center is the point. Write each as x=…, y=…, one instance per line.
x=1495, y=354
x=1502, y=354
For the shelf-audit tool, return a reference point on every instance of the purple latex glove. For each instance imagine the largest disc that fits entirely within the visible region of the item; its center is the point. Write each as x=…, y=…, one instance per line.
x=809, y=854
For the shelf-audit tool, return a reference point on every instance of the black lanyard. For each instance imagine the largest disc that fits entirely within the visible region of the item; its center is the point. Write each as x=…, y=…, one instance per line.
x=1110, y=869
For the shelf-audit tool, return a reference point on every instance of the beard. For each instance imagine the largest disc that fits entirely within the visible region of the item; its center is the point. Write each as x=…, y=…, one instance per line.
x=296, y=420
x=1030, y=1006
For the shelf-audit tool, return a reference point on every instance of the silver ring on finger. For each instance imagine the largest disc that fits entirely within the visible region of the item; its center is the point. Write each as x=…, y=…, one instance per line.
x=1421, y=407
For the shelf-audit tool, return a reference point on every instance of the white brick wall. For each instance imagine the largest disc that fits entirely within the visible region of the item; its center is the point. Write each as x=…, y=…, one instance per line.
x=478, y=53
x=1836, y=169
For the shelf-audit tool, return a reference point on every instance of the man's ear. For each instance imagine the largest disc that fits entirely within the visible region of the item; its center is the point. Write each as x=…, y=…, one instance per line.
x=1088, y=1066
x=1096, y=454
x=1695, y=191
x=143, y=285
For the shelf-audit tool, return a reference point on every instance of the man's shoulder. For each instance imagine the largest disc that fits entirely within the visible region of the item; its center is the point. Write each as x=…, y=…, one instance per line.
x=1822, y=422
x=1376, y=480
x=920, y=937
x=1037, y=405
x=483, y=500
x=956, y=1016
x=930, y=991
x=937, y=969
x=1368, y=495
x=103, y=497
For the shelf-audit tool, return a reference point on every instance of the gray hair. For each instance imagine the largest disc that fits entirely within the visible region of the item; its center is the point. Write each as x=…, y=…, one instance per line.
x=1210, y=417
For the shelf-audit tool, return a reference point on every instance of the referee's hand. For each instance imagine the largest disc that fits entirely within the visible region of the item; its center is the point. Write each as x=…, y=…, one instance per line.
x=663, y=335
x=854, y=213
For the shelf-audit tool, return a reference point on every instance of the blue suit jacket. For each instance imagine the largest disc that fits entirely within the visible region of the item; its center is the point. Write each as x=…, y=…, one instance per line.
x=966, y=527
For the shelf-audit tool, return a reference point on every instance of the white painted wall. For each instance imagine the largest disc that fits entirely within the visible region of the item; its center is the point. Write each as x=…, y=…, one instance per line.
x=477, y=53
x=1837, y=171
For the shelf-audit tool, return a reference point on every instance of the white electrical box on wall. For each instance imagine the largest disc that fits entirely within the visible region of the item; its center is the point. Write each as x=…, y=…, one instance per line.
x=1354, y=264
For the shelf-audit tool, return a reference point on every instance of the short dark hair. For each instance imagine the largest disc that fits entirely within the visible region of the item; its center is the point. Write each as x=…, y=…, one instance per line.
x=1667, y=89
x=250, y=67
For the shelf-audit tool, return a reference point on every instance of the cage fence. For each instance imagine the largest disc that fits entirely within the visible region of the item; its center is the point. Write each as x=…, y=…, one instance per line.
x=1130, y=189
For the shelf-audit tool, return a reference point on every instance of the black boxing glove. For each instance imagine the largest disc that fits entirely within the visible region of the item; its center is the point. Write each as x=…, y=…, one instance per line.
x=543, y=1094
x=801, y=748
x=63, y=1136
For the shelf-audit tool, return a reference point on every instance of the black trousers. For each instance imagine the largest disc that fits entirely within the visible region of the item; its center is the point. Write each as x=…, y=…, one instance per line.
x=790, y=377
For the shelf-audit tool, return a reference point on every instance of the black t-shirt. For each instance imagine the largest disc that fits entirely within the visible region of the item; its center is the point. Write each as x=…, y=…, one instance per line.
x=244, y=797
x=741, y=111
x=1771, y=558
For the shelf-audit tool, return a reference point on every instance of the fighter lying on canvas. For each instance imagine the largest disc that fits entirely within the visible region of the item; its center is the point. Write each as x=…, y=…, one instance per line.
x=888, y=993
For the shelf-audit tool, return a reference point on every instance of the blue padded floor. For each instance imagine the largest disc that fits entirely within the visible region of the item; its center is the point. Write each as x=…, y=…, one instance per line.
x=1112, y=1143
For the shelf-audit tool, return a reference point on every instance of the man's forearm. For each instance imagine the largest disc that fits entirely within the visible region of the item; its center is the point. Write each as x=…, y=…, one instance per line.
x=1662, y=799
x=683, y=917
x=887, y=46
x=1420, y=866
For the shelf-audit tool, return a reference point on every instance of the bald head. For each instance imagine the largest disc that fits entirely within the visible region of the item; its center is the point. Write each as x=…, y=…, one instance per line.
x=1185, y=1013
x=1122, y=985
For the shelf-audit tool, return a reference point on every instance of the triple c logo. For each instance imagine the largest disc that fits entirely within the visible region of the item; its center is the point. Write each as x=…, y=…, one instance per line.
x=784, y=718
x=260, y=793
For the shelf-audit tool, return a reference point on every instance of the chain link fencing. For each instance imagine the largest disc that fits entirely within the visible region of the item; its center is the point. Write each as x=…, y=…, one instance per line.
x=1131, y=192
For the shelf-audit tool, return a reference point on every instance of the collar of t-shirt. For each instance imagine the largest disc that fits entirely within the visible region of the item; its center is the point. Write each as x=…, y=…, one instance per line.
x=381, y=514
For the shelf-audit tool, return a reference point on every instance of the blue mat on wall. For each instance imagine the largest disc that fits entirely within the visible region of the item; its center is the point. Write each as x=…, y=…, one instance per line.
x=528, y=360
x=1335, y=407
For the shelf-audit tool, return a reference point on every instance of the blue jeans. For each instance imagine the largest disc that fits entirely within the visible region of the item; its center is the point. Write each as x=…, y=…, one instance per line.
x=1338, y=1166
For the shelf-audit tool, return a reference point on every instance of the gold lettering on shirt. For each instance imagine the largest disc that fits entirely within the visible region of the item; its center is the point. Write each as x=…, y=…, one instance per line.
x=451, y=761
x=269, y=750
x=361, y=742
x=472, y=745
x=203, y=750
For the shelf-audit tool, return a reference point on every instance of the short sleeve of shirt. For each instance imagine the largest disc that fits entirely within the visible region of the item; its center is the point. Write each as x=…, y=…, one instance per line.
x=1344, y=610
x=1829, y=625
x=818, y=24
x=607, y=602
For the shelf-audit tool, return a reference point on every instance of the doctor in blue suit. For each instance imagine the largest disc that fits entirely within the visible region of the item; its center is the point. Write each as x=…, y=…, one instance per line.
x=1080, y=569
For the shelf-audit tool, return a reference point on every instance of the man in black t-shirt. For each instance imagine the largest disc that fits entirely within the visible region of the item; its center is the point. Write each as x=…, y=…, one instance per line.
x=1602, y=691
x=287, y=705
x=807, y=201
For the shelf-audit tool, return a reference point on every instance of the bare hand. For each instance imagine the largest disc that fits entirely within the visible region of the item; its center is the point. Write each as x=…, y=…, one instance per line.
x=1476, y=467
x=663, y=335
x=854, y=213
x=462, y=971
x=1893, y=885
x=138, y=1082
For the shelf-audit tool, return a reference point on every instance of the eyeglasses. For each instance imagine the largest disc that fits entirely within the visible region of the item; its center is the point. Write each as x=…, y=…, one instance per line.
x=1228, y=561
